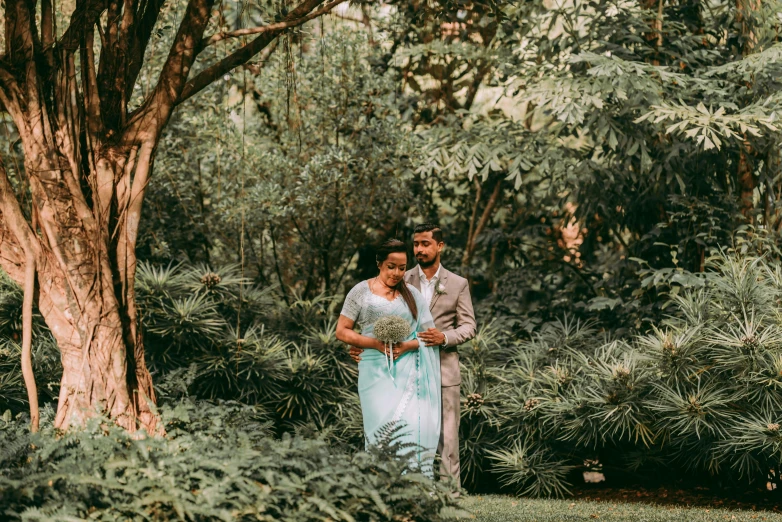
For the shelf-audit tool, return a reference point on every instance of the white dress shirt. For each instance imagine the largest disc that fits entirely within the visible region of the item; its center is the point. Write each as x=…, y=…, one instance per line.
x=429, y=287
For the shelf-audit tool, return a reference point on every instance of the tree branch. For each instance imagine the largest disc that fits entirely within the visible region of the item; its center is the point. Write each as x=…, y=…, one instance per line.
x=487, y=213
x=10, y=96
x=47, y=24
x=113, y=62
x=86, y=14
x=21, y=46
x=279, y=26
x=242, y=55
x=146, y=16
x=11, y=254
x=7, y=80
x=147, y=121
x=13, y=218
x=12, y=214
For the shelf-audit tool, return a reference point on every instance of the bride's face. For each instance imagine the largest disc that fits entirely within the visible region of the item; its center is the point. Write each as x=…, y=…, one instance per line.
x=392, y=270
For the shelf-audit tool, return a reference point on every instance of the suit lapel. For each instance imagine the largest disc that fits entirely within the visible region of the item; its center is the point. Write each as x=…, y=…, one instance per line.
x=440, y=284
x=413, y=279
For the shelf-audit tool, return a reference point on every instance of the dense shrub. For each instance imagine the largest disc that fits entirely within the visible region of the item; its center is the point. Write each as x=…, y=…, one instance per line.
x=242, y=343
x=218, y=462
x=697, y=397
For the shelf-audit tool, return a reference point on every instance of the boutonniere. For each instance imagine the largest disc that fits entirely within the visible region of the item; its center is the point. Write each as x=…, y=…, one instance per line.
x=439, y=289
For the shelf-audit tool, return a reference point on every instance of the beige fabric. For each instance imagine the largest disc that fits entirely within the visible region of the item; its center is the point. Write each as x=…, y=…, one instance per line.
x=448, y=449
x=453, y=315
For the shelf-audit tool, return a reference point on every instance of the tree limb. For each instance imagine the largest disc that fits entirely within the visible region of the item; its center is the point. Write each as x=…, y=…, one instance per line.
x=86, y=14
x=147, y=121
x=27, y=337
x=146, y=16
x=487, y=213
x=113, y=62
x=12, y=213
x=473, y=217
x=242, y=55
x=11, y=254
x=10, y=96
x=7, y=80
x=47, y=24
x=21, y=47
x=279, y=26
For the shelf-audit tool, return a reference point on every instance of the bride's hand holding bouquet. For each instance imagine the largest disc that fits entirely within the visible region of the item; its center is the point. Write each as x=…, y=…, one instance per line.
x=391, y=332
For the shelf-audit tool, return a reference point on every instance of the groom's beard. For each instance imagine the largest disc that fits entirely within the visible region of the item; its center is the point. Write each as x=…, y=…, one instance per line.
x=426, y=264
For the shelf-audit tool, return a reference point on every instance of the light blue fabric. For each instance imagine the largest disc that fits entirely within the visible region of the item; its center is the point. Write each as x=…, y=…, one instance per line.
x=410, y=400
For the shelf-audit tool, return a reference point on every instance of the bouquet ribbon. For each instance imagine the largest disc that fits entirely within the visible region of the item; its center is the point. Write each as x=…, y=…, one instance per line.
x=389, y=353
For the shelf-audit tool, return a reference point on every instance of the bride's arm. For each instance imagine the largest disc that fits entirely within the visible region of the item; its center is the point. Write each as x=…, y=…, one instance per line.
x=346, y=334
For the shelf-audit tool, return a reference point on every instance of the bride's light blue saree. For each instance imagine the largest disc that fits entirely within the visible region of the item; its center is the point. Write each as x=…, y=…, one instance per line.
x=411, y=399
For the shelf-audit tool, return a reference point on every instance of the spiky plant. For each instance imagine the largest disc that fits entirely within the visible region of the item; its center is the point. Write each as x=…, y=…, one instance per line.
x=532, y=469
x=250, y=367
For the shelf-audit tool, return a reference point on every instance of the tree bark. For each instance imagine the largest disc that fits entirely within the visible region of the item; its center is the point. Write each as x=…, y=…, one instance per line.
x=21, y=234
x=477, y=229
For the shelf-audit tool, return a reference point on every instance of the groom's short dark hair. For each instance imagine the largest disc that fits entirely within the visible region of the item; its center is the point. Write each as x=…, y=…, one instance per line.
x=437, y=232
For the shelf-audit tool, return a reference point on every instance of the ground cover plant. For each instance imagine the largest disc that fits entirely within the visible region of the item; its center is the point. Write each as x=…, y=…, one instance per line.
x=218, y=461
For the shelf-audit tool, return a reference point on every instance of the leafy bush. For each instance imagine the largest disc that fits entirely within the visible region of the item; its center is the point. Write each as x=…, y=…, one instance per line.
x=218, y=462
x=245, y=343
x=699, y=396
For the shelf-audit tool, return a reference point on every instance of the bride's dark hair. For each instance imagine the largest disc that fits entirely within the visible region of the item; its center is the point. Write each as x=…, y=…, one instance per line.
x=394, y=246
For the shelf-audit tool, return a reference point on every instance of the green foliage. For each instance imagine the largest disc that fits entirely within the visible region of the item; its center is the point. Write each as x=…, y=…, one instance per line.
x=526, y=117
x=217, y=462
x=698, y=396
x=506, y=123
x=242, y=343
x=293, y=166
x=657, y=145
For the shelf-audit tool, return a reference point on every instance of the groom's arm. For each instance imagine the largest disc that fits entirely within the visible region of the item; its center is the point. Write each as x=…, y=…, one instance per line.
x=465, y=319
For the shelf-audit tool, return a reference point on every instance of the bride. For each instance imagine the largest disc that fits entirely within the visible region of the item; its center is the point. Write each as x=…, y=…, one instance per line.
x=407, y=393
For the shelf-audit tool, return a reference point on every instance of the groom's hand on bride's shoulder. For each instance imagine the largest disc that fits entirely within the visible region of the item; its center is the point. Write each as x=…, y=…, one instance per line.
x=355, y=353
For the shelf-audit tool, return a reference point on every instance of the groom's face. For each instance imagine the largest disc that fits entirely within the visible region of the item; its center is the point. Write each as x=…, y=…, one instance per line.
x=426, y=249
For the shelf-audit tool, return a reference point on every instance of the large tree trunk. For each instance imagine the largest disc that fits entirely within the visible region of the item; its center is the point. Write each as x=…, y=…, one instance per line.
x=86, y=168
x=86, y=284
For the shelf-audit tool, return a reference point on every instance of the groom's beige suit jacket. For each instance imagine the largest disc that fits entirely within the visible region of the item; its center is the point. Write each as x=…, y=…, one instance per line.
x=453, y=315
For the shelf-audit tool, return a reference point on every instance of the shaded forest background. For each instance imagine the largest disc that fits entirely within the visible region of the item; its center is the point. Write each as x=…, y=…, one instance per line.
x=608, y=177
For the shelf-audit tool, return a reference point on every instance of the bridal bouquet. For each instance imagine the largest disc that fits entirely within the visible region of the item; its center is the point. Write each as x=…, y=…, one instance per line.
x=389, y=330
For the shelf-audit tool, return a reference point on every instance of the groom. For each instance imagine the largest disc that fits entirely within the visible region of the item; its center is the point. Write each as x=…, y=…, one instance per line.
x=449, y=300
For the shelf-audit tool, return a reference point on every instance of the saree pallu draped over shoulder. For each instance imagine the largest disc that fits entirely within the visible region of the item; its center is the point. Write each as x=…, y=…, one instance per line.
x=406, y=398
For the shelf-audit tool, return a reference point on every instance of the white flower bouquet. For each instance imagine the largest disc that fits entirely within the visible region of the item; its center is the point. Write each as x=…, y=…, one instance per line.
x=389, y=330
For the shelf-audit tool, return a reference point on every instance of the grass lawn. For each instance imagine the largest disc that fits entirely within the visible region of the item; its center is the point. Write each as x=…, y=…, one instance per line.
x=496, y=508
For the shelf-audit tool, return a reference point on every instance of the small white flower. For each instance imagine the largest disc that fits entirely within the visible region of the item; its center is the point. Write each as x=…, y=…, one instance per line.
x=392, y=329
x=439, y=288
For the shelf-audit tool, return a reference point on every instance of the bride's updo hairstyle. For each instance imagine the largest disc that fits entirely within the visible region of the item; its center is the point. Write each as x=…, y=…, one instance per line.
x=394, y=246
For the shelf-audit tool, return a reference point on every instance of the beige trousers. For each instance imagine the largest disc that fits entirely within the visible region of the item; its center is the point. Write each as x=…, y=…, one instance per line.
x=449, y=434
